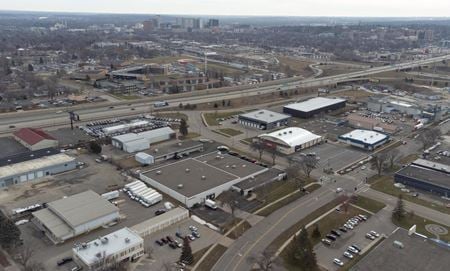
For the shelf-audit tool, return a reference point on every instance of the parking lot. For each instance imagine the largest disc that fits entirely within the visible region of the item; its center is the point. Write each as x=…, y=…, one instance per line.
x=9, y=146
x=379, y=222
x=165, y=254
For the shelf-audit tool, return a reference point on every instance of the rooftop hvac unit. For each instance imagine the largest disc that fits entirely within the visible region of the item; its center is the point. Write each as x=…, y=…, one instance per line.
x=203, y=177
x=156, y=150
x=244, y=165
x=180, y=186
x=187, y=170
x=127, y=240
x=98, y=255
x=233, y=166
x=104, y=240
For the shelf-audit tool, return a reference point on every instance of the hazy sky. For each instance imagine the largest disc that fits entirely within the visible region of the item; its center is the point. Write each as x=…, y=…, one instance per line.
x=381, y=8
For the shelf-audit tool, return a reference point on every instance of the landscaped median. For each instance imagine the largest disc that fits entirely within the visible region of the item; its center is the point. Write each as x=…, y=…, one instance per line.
x=213, y=119
x=228, y=132
x=213, y=256
x=385, y=184
x=421, y=223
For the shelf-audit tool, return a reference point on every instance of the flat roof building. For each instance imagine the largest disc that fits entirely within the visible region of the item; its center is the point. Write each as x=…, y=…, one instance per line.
x=134, y=142
x=69, y=217
x=192, y=181
x=119, y=246
x=426, y=175
x=290, y=140
x=263, y=119
x=175, y=150
x=313, y=106
x=248, y=186
x=364, y=139
x=404, y=252
x=33, y=165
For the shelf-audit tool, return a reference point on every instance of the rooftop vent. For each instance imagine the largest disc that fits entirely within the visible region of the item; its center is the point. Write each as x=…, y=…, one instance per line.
x=290, y=132
x=156, y=150
x=187, y=170
x=98, y=255
x=127, y=240
x=180, y=186
x=233, y=166
x=104, y=240
x=159, y=172
x=203, y=177
x=31, y=155
x=244, y=165
x=179, y=144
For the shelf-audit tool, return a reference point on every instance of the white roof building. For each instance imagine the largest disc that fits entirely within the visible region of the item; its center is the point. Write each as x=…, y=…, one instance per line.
x=112, y=248
x=314, y=104
x=291, y=139
x=133, y=142
x=365, y=139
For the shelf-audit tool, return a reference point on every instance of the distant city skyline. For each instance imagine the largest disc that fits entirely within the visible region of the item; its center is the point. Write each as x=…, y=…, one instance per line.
x=347, y=8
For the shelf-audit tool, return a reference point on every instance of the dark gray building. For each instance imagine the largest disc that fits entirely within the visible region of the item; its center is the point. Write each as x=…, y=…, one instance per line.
x=264, y=119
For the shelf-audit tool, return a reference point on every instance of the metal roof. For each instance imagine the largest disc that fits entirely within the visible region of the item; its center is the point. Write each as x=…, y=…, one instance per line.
x=426, y=175
x=314, y=104
x=82, y=208
x=264, y=115
x=292, y=136
x=364, y=136
x=144, y=135
x=32, y=136
x=26, y=156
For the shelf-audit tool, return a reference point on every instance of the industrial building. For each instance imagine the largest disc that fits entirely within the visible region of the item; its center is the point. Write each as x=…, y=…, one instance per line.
x=248, y=186
x=361, y=122
x=387, y=105
x=364, y=139
x=192, y=181
x=313, y=106
x=406, y=250
x=72, y=216
x=264, y=119
x=175, y=150
x=426, y=175
x=160, y=222
x=33, y=165
x=119, y=246
x=35, y=139
x=134, y=142
x=290, y=140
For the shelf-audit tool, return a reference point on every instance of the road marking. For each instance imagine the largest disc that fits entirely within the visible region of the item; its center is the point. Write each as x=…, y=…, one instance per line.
x=273, y=226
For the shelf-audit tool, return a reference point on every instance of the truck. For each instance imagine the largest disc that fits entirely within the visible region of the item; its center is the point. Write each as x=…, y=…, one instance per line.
x=211, y=204
x=160, y=104
x=138, y=191
x=146, y=193
x=136, y=187
x=111, y=195
x=152, y=200
x=128, y=185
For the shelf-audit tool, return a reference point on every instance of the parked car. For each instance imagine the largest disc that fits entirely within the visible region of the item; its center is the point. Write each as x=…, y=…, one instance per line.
x=353, y=250
x=356, y=247
x=196, y=234
x=177, y=243
x=338, y=262
x=374, y=233
x=64, y=261
x=173, y=245
x=370, y=236
x=348, y=226
x=363, y=217
x=164, y=240
x=193, y=228
x=326, y=242
x=348, y=255
x=192, y=238
x=160, y=212
x=160, y=243
x=335, y=232
x=343, y=229
x=169, y=239
x=331, y=237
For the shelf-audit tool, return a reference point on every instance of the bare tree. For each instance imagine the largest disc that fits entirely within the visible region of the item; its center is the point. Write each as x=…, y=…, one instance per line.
x=429, y=137
x=307, y=164
x=293, y=172
x=259, y=147
x=378, y=162
x=263, y=262
x=273, y=154
x=392, y=156
x=229, y=199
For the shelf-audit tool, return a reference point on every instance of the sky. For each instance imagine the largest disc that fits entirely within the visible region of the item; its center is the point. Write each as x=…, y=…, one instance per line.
x=353, y=8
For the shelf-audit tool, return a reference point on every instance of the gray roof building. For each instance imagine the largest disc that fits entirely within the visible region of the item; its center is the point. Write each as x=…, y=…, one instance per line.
x=264, y=119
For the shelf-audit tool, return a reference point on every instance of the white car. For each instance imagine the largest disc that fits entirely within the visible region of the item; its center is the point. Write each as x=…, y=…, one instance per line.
x=339, y=190
x=338, y=262
x=21, y=222
x=193, y=228
x=348, y=255
x=374, y=233
x=353, y=250
x=348, y=226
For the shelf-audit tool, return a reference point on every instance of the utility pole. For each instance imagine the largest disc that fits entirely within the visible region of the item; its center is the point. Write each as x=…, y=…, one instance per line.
x=206, y=62
x=73, y=117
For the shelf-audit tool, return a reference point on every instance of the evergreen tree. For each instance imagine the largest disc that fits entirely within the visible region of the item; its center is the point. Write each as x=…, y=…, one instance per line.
x=183, y=127
x=30, y=68
x=94, y=147
x=41, y=60
x=9, y=233
x=300, y=252
x=186, y=253
x=316, y=232
x=399, y=211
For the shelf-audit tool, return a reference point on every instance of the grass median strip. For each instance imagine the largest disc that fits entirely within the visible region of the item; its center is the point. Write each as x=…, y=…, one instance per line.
x=385, y=184
x=215, y=254
x=368, y=204
x=213, y=119
x=411, y=219
x=239, y=230
x=230, y=131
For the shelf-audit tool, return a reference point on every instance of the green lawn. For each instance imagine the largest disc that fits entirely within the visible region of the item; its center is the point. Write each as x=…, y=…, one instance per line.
x=420, y=222
x=239, y=230
x=212, y=119
x=369, y=204
x=208, y=263
x=199, y=254
x=229, y=131
x=385, y=184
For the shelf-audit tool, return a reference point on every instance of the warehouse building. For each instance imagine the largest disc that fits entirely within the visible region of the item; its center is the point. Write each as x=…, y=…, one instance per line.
x=160, y=222
x=264, y=119
x=123, y=245
x=426, y=175
x=175, y=150
x=69, y=217
x=248, y=186
x=35, y=139
x=313, y=106
x=192, y=181
x=33, y=165
x=290, y=140
x=364, y=139
x=134, y=142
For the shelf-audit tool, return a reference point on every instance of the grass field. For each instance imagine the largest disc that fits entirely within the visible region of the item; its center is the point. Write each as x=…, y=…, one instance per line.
x=212, y=118
x=385, y=184
x=199, y=254
x=299, y=66
x=420, y=222
x=226, y=70
x=408, y=159
x=369, y=204
x=208, y=263
x=239, y=230
x=229, y=131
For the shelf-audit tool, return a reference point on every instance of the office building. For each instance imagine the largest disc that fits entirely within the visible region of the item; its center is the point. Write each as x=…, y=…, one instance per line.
x=364, y=139
x=313, y=106
x=264, y=119
x=290, y=140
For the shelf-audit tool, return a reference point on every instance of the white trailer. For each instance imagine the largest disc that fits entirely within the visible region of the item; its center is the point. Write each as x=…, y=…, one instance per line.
x=137, y=188
x=211, y=204
x=111, y=195
x=129, y=188
x=128, y=185
x=149, y=195
x=138, y=191
x=153, y=199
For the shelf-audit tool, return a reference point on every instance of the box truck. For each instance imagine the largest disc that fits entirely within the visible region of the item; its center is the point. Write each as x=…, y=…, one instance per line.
x=111, y=195
x=211, y=204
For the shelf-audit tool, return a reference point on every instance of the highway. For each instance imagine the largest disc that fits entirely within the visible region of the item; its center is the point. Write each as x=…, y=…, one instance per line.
x=87, y=112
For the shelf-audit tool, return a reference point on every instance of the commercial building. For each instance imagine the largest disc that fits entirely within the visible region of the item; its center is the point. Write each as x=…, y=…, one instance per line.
x=160, y=222
x=69, y=217
x=361, y=122
x=123, y=245
x=264, y=119
x=134, y=142
x=406, y=250
x=175, y=150
x=388, y=105
x=290, y=140
x=35, y=139
x=192, y=181
x=248, y=186
x=313, y=107
x=426, y=175
x=364, y=139
x=33, y=165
